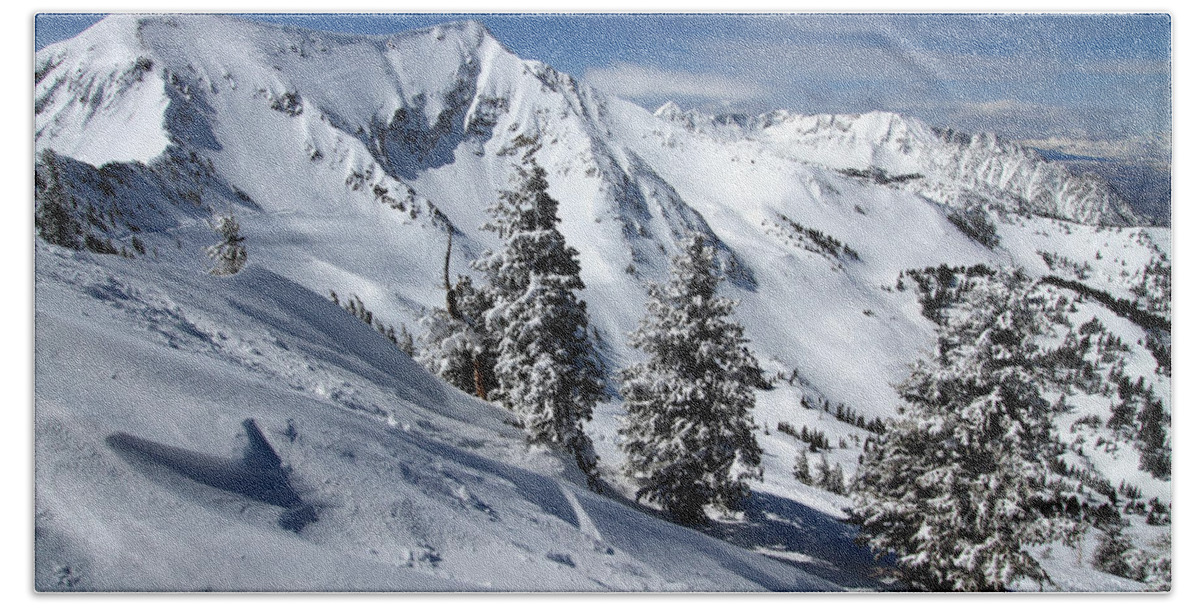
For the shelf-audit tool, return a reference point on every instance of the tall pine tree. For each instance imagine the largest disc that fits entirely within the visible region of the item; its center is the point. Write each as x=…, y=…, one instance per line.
x=688, y=436
x=546, y=369
x=963, y=484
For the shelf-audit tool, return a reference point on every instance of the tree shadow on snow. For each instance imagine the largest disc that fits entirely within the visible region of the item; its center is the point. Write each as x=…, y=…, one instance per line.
x=777, y=524
x=257, y=475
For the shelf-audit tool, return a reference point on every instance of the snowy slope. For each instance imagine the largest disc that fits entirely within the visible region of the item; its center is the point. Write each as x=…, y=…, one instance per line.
x=418, y=487
x=346, y=159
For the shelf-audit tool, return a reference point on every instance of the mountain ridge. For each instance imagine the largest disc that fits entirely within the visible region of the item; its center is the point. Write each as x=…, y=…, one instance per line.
x=888, y=141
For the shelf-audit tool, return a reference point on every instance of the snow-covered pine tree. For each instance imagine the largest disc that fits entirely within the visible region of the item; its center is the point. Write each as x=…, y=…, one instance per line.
x=688, y=435
x=1115, y=553
x=446, y=350
x=1153, y=442
x=831, y=478
x=547, y=370
x=455, y=343
x=53, y=216
x=962, y=485
x=229, y=255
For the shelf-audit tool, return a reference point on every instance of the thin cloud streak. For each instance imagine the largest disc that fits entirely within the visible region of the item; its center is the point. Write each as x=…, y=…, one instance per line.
x=640, y=82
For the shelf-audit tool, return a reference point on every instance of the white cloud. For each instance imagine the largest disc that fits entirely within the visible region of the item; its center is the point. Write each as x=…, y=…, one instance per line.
x=640, y=82
x=898, y=61
x=852, y=65
x=1015, y=95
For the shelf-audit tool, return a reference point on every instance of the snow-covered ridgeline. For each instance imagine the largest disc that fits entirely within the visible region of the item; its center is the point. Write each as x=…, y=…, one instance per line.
x=954, y=166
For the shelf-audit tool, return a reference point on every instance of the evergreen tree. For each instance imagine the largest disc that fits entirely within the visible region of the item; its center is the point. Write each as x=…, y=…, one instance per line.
x=1152, y=437
x=229, y=255
x=53, y=215
x=456, y=346
x=962, y=483
x=405, y=342
x=831, y=478
x=1115, y=554
x=447, y=345
x=688, y=435
x=800, y=470
x=546, y=368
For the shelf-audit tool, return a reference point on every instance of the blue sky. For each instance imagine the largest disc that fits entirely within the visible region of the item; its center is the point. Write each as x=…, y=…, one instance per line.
x=1076, y=76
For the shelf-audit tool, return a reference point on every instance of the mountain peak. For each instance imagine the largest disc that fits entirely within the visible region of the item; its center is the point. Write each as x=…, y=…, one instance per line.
x=474, y=33
x=668, y=110
x=113, y=31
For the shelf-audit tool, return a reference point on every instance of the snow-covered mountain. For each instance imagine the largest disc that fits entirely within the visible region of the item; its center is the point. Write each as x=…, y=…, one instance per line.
x=1138, y=167
x=950, y=167
x=346, y=159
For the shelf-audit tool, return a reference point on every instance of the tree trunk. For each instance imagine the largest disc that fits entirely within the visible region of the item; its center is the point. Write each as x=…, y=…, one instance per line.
x=480, y=391
x=456, y=314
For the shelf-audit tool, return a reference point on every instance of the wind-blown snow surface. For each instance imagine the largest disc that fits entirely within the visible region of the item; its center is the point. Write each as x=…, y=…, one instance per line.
x=418, y=486
x=346, y=158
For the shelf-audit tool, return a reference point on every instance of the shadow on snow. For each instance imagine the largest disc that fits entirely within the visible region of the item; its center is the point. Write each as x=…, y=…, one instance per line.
x=781, y=525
